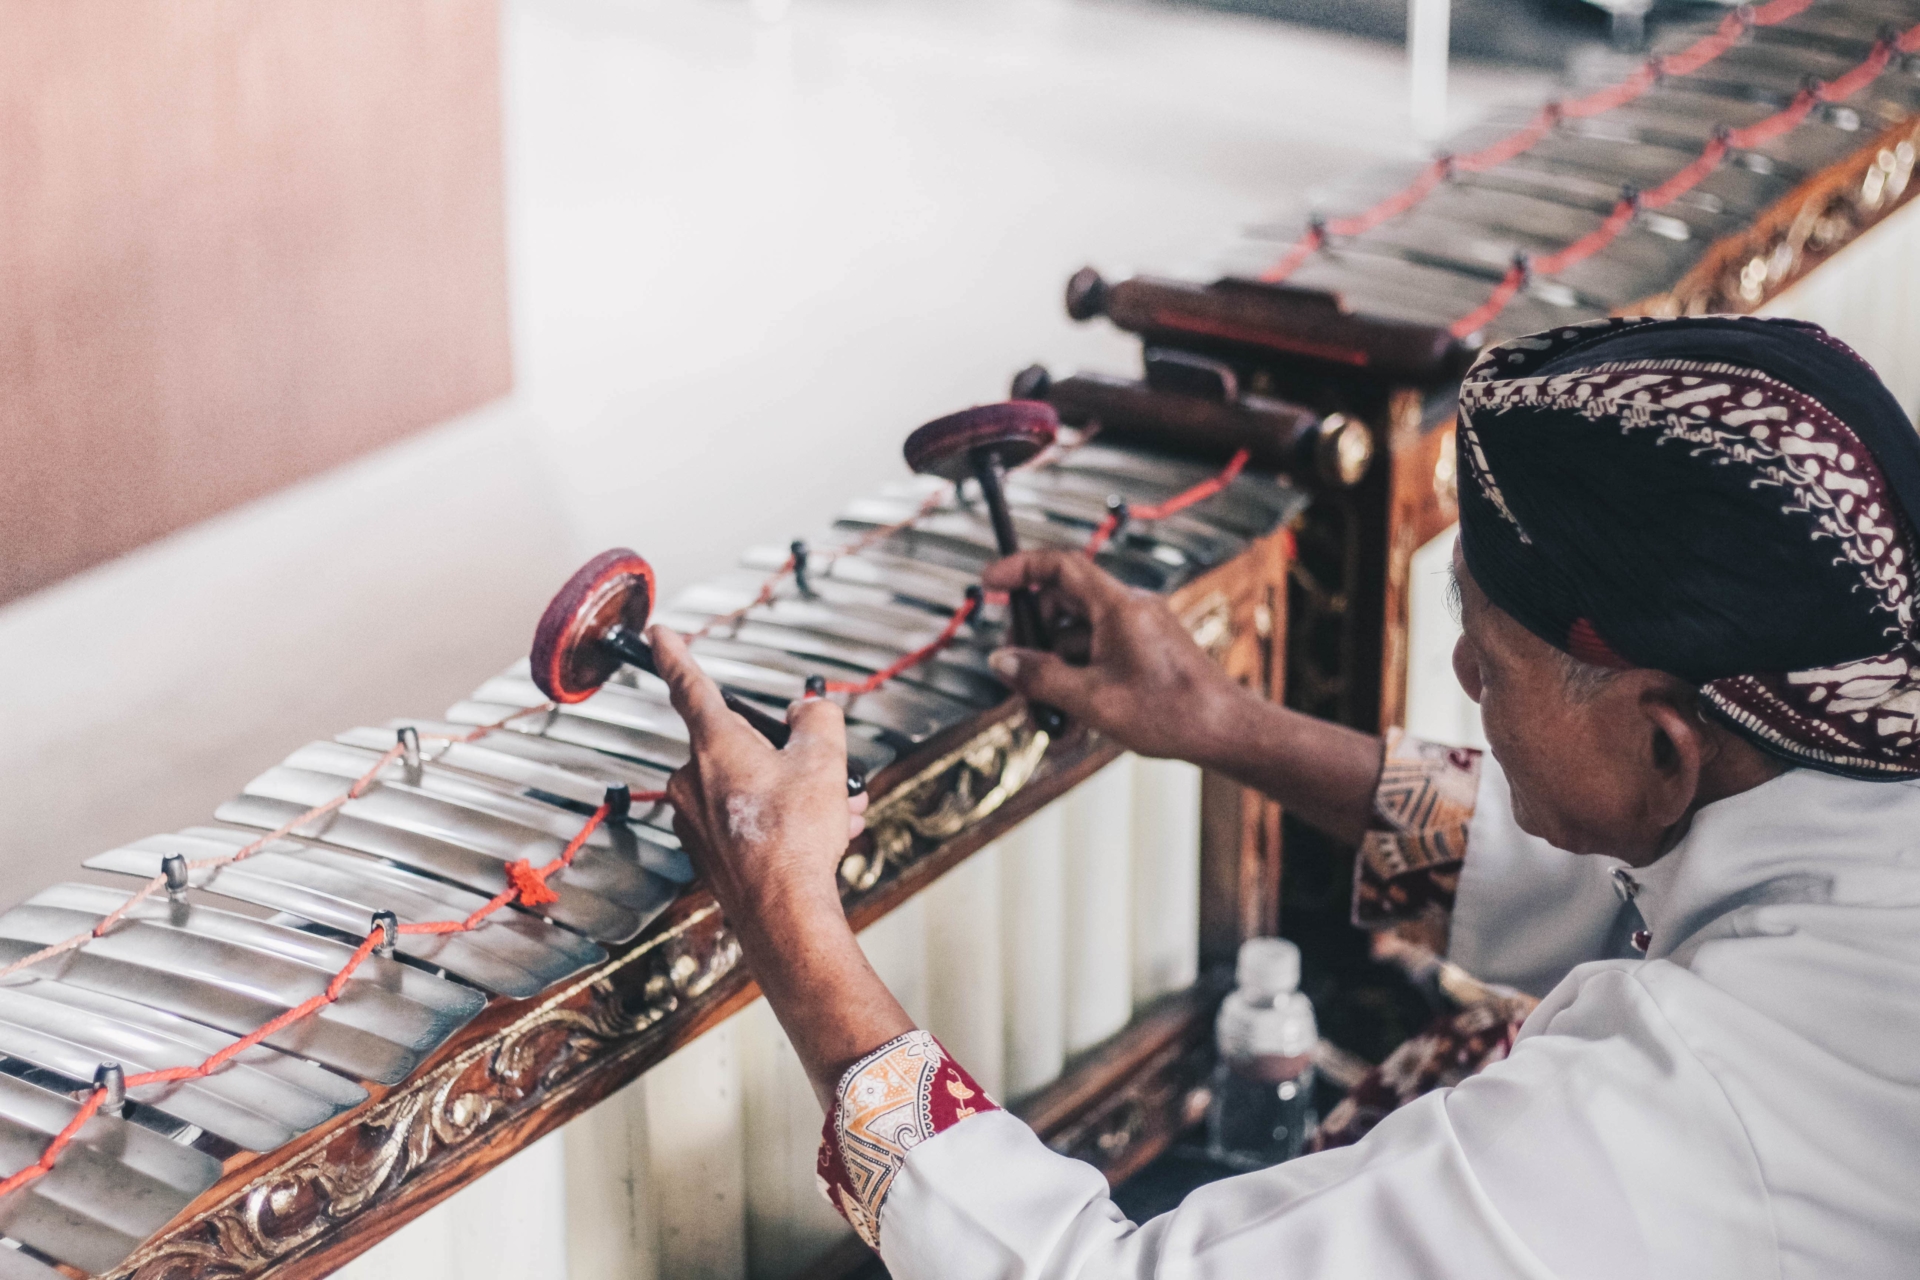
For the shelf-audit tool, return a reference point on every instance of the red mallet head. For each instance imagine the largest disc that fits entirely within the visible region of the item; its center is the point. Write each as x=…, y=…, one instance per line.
x=571, y=658
x=1013, y=429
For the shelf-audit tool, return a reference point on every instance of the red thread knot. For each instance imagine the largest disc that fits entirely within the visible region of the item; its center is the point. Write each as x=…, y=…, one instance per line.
x=530, y=884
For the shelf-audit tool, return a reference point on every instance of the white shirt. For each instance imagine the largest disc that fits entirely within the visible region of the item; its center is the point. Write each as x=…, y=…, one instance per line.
x=1744, y=1101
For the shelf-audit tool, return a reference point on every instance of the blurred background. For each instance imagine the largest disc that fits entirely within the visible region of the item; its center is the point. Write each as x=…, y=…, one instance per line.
x=334, y=333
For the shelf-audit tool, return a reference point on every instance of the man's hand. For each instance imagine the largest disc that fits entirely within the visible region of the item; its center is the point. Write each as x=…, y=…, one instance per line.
x=767, y=828
x=1125, y=665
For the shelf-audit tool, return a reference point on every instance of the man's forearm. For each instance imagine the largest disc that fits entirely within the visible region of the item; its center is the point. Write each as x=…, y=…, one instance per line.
x=832, y=1005
x=1323, y=773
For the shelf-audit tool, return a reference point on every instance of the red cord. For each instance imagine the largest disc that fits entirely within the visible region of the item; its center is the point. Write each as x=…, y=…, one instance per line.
x=1179, y=502
x=1692, y=175
x=1493, y=155
x=911, y=660
x=527, y=884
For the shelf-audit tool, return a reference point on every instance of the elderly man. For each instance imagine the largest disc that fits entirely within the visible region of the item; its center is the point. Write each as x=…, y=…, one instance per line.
x=1685, y=570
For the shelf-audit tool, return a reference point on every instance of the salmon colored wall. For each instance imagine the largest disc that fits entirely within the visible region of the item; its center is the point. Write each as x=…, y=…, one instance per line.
x=240, y=241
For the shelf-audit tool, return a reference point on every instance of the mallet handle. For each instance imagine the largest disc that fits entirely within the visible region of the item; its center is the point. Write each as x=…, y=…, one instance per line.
x=1029, y=626
x=635, y=651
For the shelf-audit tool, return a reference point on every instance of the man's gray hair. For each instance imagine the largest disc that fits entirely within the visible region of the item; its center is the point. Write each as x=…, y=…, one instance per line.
x=1583, y=681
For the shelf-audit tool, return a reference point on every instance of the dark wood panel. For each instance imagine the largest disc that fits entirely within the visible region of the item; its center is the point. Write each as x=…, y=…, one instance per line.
x=239, y=243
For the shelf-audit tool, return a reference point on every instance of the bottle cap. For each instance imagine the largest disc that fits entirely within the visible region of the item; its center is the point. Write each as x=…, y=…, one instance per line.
x=1267, y=967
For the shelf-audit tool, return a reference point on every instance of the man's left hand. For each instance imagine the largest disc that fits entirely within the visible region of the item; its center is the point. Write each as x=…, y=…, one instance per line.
x=766, y=827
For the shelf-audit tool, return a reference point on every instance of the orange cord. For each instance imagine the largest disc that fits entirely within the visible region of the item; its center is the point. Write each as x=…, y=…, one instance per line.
x=527, y=885
x=1179, y=502
x=1692, y=175
x=1494, y=154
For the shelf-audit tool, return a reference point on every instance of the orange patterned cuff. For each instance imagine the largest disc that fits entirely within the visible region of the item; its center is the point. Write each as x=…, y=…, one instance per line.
x=888, y=1103
x=1409, y=862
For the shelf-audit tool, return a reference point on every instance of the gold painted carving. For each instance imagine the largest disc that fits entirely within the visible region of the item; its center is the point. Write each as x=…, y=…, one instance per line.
x=1209, y=620
x=1746, y=270
x=961, y=788
x=531, y=1062
x=952, y=794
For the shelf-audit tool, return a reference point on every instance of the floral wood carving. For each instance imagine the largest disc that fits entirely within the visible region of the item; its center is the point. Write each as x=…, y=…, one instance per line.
x=529, y=1063
x=947, y=797
x=1744, y=271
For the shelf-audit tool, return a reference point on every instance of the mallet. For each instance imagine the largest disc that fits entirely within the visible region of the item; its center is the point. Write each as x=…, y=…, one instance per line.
x=983, y=443
x=598, y=621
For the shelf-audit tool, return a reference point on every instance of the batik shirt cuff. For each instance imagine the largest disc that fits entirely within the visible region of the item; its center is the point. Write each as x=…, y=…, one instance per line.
x=1409, y=862
x=888, y=1103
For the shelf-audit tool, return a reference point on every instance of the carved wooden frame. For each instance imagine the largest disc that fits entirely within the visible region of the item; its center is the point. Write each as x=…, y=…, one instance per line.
x=1810, y=224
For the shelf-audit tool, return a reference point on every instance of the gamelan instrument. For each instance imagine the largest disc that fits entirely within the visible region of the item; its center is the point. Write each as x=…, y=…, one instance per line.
x=381, y=930
x=403, y=954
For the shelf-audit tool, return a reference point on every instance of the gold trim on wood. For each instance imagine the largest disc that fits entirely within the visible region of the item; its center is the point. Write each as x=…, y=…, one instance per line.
x=327, y=1183
x=1745, y=271
x=946, y=798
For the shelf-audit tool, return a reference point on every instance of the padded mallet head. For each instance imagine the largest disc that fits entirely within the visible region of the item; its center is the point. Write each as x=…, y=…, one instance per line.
x=1015, y=429
x=569, y=660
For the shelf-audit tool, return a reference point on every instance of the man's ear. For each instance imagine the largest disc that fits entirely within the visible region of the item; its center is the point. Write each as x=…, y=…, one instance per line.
x=1676, y=751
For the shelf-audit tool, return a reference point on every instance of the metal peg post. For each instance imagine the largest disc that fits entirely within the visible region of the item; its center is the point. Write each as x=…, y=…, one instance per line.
x=112, y=1077
x=174, y=868
x=619, y=802
x=800, y=582
x=410, y=747
x=387, y=925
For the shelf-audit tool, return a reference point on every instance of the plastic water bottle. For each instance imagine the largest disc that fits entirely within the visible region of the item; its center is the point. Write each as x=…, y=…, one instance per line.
x=1262, y=1109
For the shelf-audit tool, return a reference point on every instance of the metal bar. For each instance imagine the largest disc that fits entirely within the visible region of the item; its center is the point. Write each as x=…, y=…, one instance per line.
x=342, y=892
x=237, y=973
x=115, y=1186
x=258, y=1101
x=460, y=864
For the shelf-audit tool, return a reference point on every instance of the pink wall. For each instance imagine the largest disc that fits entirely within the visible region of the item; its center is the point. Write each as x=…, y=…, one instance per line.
x=240, y=242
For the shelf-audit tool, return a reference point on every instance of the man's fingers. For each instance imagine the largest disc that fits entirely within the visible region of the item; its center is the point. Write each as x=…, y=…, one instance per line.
x=695, y=696
x=1067, y=572
x=1045, y=677
x=683, y=788
x=819, y=730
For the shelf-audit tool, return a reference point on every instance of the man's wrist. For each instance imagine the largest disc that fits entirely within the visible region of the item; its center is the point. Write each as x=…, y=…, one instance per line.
x=791, y=908
x=1227, y=725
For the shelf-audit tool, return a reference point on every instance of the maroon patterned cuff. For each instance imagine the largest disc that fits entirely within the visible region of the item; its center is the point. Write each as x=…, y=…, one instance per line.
x=887, y=1104
x=1454, y=1047
x=1409, y=863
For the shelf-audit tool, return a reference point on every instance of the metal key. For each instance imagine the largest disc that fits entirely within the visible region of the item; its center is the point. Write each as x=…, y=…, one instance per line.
x=113, y=1187
x=258, y=1100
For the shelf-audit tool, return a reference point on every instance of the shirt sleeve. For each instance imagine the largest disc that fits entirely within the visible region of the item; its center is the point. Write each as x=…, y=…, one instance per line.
x=1604, y=1149
x=1524, y=912
x=887, y=1104
x=1408, y=864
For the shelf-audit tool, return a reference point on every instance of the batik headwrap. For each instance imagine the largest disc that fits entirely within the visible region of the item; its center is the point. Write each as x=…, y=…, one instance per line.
x=1724, y=498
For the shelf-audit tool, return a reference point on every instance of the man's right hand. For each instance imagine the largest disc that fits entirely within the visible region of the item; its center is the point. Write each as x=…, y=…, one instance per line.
x=1124, y=664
